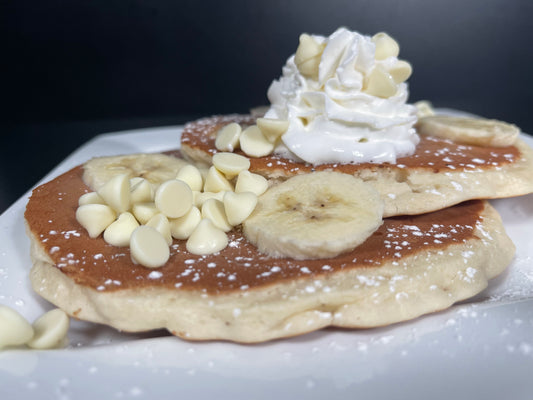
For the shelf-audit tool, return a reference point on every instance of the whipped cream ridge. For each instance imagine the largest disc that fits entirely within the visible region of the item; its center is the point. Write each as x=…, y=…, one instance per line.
x=345, y=101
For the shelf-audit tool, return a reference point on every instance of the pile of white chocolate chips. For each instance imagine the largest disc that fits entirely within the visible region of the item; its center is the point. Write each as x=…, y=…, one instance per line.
x=199, y=205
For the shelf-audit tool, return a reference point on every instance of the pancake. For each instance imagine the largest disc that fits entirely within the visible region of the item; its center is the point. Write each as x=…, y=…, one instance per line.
x=412, y=265
x=439, y=174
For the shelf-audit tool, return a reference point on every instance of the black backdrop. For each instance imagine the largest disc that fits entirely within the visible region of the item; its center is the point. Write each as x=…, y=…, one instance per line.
x=74, y=69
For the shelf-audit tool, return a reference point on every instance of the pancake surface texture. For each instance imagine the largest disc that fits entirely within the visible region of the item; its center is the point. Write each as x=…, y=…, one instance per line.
x=410, y=266
x=439, y=174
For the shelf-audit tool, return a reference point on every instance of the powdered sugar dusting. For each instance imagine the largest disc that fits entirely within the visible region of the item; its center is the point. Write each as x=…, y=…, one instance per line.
x=517, y=284
x=155, y=275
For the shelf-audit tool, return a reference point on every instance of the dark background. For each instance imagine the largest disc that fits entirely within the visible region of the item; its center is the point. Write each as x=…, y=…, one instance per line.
x=73, y=69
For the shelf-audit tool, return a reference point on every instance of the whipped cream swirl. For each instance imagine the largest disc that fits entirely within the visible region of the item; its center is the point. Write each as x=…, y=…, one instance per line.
x=336, y=116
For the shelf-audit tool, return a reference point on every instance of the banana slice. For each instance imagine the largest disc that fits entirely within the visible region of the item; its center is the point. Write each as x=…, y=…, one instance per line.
x=472, y=131
x=156, y=168
x=317, y=215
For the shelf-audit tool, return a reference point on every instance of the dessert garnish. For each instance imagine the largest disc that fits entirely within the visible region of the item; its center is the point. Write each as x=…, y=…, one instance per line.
x=146, y=215
x=340, y=99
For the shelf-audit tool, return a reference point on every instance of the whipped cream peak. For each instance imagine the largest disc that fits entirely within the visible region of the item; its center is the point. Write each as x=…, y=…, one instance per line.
x=345, y=100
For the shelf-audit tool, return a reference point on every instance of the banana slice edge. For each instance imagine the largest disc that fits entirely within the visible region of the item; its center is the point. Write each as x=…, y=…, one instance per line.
x=314, y=216
x=469, y=130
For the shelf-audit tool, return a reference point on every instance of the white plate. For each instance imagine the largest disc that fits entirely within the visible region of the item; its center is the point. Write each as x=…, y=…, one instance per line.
x=482, y=348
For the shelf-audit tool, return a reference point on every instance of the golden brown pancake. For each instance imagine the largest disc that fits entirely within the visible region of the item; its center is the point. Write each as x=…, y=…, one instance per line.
x=410, y=266
x=439, y=174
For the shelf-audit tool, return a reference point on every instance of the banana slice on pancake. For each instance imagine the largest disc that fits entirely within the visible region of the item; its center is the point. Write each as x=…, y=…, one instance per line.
x=471, y=131
x=313, y=216
x=156, y=168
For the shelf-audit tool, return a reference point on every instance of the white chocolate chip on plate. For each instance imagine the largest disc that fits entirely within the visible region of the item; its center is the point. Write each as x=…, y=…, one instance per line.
x=206, y=239
x=135, y=180
x=307, y=48
x=215, y=181
x=239, y=206
x=182, y=227
x=191, y=176
x=385, y=46
x=307, y=56
x=173, y=198
x=214, y=210
x=249, y=182
x=119, y=232
x=380, y=83
x=50, y=330
x=95, y=218
x=199, y=198
x=161, y=224
x=144, y=211
x=14, y=329
x=116, y=192
x=141, y=191
x=271, y=128
x=401, y=71
x=254, y=143
x=148, y=247
x=90, y=198
x=230, y=164
x=227, y=138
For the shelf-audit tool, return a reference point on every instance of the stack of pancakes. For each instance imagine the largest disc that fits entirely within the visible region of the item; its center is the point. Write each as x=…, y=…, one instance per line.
x=439, y=244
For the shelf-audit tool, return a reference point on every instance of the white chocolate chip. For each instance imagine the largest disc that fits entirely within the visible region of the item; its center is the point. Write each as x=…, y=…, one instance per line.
x=401, y=71
x=206, y=239
x=271, y=128
x=254, y=143
x=307, y=56
x=141, y=191
x=173, y=198
x=385, y=46
x=95, y=218
x=50, y=330
x=230, y=164
x=307, y=48
x=182, y=227
x=227, y=138
x=14, y=329
x=119, y=232
x=90, y=198
x=199, y=198
x=239, y=206
x=148, y=247
x=215, y=181
x=380, y=83
x=249, y=182
x=204, y=169
x=116, y=193
x=310, y=68
x=135, y=180
x=191, y=176
x=424, y=109
x=214, y=210
x=144, y=211
x=161, y=224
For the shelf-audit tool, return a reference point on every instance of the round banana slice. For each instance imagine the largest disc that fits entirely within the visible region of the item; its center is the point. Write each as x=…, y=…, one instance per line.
x=316, y=215
x=472, y=131
x=155, y=168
